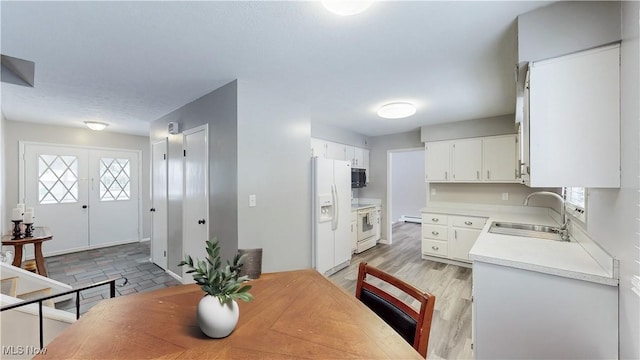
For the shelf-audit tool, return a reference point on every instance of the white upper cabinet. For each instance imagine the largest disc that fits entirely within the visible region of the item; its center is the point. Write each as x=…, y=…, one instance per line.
x=437, y=161
x=466, y=159
x=574, y=120
x=491, y=159
x=336, y=151
x=365, y=161
x=318, y=148
x=358, y=158
x=499, y=158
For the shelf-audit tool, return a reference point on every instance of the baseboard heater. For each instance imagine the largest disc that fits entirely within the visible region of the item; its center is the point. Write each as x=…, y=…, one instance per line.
x=412, y=219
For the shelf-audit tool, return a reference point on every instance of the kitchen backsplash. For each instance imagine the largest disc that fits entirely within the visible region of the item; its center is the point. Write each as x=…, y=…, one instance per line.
x=487, y=194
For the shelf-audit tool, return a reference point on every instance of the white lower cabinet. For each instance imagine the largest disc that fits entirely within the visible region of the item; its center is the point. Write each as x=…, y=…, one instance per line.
x=522, y=314
x=377, y=219
x=450, y=236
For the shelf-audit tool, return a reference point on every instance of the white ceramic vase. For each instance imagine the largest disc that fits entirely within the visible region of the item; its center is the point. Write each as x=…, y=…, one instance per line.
x=217, y=320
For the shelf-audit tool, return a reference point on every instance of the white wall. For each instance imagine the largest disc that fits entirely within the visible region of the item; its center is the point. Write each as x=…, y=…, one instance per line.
x=16, y=131
x=613, y=213
x=274, y=164
x=408, y=189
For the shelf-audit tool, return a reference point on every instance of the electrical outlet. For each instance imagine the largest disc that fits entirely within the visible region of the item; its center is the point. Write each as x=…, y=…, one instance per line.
x=505, y=196
x=433, y=191
x=252, y=200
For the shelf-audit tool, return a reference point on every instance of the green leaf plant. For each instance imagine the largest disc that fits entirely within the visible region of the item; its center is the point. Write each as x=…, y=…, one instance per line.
x=223, y=283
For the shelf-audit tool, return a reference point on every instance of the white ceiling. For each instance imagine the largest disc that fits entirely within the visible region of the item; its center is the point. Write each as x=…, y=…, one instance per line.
x=129, y=63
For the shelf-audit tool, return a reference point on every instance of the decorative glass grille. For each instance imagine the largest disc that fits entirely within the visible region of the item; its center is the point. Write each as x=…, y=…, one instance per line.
x=57, y=179
x=114, y=179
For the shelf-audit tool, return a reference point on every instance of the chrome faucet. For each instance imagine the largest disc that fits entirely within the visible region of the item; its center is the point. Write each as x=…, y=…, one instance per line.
x=563, y=231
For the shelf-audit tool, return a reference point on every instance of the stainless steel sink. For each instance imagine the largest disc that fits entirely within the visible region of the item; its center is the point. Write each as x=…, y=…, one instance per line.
x=528, y=230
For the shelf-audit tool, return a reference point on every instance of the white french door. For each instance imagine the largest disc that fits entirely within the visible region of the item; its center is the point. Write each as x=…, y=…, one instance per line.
x=159, y=215
x=196, y=195
x=56, y=186
x=87, y=197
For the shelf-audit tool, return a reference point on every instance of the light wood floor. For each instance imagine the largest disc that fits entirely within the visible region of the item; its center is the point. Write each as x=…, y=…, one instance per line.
x=451, y=327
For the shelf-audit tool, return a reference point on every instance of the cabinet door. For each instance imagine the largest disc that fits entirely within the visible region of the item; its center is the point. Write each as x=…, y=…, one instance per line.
x=575, y=120
x=365, y=161
x=461, y=241
x=358, y=157
x=377, y=222
x=318, y=148
x=467, y=160
x=436, y=161
x=499, y=158
x=350, y=155
x=354, y=236
x=336, y=151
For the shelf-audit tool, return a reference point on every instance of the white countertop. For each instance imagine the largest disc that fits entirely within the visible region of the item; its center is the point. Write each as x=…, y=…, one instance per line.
x=567, y=259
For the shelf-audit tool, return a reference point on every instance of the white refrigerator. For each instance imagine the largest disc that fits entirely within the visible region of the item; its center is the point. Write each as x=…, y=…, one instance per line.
x=331, y=201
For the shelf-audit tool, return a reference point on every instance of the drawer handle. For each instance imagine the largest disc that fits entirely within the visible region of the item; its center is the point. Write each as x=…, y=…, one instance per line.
x=435, y=248
x=468, y=223
x=435, y=233
x=435, y=219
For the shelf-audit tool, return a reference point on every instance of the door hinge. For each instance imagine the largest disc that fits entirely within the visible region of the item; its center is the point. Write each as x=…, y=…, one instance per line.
x=184, y=152
x=164, y=156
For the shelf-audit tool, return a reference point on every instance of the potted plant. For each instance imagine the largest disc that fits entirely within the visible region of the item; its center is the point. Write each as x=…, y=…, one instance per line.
x=218, y=310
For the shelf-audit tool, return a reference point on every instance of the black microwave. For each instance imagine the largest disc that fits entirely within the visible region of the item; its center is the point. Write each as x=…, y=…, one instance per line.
x=358, y=178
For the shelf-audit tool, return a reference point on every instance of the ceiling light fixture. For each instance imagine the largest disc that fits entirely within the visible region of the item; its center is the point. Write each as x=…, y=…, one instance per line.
x=397, y=110
x=346, y=8
x=96, y=125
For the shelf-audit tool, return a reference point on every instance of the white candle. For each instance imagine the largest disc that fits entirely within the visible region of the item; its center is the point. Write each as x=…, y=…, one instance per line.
x=21, y=207
x=28, y=218
x=16, y=214
x=33, y=213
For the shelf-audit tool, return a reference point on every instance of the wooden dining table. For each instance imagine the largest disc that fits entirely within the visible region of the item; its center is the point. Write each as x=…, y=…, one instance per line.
x=295, y=315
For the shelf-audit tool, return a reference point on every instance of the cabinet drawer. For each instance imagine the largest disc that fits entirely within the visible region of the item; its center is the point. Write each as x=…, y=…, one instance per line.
x=468, y=222
x=437, y=219
x=434, y=247
x=436, y=232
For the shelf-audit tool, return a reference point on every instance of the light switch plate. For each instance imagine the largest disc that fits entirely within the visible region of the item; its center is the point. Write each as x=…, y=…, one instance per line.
x=433, y=191
x=505, y=196
x=252, y=200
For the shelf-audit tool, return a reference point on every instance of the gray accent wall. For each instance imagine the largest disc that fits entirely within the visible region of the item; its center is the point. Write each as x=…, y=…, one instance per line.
x=496, y=125
x=566, y=27
x=274, y=165
x=378, y=148
x=4, y=222
x=15, y=131
x=407, y=183
x=612, y=214
x=339, y=135
x=218, y=109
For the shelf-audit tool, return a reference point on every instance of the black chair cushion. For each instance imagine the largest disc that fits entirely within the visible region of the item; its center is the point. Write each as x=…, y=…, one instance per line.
x=402, y=323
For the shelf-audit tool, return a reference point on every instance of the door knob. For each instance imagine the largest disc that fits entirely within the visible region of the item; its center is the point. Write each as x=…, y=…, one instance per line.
x=202, y=221
x=84, y=206
x=152, y=209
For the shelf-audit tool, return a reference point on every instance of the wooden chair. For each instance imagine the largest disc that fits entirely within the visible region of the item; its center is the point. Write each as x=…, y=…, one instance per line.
x=412, y=325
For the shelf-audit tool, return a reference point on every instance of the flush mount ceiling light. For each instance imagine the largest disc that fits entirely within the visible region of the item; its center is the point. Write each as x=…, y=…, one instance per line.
x=96, y=125
x=346, y=8
x=397, y=110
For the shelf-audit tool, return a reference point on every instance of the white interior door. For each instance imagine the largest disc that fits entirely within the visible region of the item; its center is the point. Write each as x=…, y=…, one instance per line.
x=196, y=196
x=113, y=197
x=55, y=185
x=159, y=203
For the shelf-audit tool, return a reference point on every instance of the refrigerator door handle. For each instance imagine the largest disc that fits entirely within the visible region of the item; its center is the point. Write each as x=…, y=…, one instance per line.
x=334, y=218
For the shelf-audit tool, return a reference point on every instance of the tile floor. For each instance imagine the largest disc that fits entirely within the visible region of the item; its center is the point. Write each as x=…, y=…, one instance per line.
x=130, y=261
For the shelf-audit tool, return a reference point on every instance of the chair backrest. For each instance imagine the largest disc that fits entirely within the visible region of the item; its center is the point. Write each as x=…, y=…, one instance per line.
x=414, y=326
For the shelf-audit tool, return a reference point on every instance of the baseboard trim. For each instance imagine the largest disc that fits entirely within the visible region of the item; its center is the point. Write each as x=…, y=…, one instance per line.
x=411, y=219
x=174, y=275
